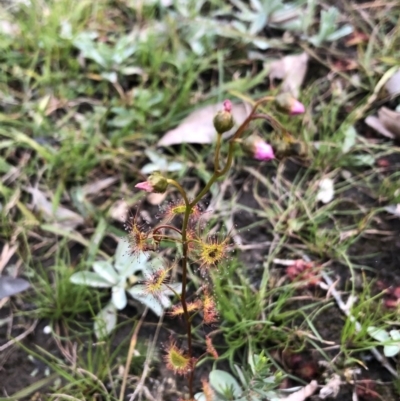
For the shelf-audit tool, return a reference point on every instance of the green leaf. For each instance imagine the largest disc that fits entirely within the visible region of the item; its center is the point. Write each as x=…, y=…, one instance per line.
x=110, y=76
x=395, y=334
x=126, y=263
x=391, y=350
x=224, y=383
x=119, y=296
x=350, y=136
x=90, y=279
x=106, y=271
x=340, y=33
x=137, y=292
x=378, y=334
x=4, y=166
x=105, y=322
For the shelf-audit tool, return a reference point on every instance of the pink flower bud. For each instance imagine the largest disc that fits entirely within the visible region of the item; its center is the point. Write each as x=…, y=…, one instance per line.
x=155, y=183
x=145, y=186
x=297, y=108
x=263, y=151
x=227, y=105
x=288, y=104
x=223, y=120
x=258, y=148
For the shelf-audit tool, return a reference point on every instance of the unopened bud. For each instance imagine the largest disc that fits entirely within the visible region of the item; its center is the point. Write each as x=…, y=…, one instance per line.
x=223, y=120
x=286, y=103
x=155, y=183
x=158, y=182
x=258, y=148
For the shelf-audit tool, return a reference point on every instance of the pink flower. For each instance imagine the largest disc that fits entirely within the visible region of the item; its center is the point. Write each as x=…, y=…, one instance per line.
x=297, y=108
x=227, y=105
x=258, y=148
x=263, y=151
x=145, y=186
x=286, y=103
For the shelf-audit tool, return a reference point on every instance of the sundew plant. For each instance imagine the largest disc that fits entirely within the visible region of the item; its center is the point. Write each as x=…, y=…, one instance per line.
x=202, y=251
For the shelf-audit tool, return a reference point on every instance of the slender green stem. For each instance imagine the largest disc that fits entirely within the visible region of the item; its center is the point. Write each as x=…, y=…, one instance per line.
x=183, y=295
x=275, y=123
x=186, y=315
x=239, y=132
x=217, y=151
x=245, y=123
x=180, y=189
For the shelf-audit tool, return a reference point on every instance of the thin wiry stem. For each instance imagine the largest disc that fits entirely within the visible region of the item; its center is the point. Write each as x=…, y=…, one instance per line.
x=183, y=296
x=180, y=189
x=189, y=206
x=168, y=227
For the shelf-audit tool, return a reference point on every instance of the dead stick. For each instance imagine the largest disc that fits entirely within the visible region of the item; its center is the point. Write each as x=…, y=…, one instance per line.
x=132, y=346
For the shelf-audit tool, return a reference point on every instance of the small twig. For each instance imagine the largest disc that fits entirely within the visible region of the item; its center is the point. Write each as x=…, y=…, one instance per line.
x=146, y=366
x=132, y=346
x=342, y=306
x=20, y=337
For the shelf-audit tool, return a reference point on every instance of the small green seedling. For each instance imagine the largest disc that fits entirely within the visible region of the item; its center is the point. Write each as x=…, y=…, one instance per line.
x=257, y=385
x=389, y=340
x=124, y=276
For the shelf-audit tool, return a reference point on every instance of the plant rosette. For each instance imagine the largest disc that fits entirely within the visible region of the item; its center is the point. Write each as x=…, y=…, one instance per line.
x=121, y=277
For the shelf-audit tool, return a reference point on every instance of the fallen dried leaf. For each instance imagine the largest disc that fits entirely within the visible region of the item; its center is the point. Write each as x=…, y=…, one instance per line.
x=95, y=187
x=10, y=286
x=119, y=211
x=292, y=70
x=387, y=123
x=393, y=84
x=63, y=217
x=198, y=126
x=390, y=120
x=376, y=124
x=303, y=393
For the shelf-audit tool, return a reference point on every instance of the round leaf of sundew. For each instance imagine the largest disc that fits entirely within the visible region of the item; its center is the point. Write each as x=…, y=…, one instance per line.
x=126, y=263
x=105, y=321
x=222, y=382
x=105, y=270
x=146, y=299
x=89, y=279
x=118, y=297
